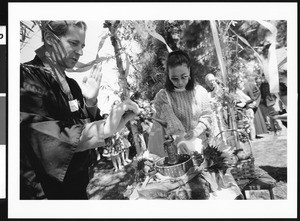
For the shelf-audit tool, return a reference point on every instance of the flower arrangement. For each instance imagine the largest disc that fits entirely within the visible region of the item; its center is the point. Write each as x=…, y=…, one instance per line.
x=215, y=160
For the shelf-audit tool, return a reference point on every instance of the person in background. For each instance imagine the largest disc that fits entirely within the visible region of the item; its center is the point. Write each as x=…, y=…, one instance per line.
x=247, y=105
x=282, y=114
x=272, y=103
x=215, y=94
x=211, y=82
x=183, y=104
x=59, y=121
x=283, y=86
x=252, y=90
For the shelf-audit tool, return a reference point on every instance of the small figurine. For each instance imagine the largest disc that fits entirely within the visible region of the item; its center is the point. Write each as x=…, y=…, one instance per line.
x=113, y=151
x=125, y=146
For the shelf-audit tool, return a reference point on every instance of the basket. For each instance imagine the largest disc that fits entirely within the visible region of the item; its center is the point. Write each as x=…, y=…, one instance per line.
x=243, y=169
x=174, y=170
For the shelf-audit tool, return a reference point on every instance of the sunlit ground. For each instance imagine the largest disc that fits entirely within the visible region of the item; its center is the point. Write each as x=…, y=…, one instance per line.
x=270, y=153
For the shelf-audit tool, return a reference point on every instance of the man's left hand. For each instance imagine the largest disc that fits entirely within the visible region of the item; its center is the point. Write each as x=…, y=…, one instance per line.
x=91, y=85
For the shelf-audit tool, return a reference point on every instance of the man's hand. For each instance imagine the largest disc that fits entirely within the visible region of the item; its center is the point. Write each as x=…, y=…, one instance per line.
x=91, y=85
x=129, y=105
x=128, y=110
x=122, y=113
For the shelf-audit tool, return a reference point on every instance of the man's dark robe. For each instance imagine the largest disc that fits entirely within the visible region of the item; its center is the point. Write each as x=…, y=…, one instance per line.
x=49, y=134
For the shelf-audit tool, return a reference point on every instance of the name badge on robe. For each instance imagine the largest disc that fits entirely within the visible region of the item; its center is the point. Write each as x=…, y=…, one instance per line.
x=73, y=105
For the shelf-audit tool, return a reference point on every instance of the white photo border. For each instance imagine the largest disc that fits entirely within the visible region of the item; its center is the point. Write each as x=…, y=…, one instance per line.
x=153, y=208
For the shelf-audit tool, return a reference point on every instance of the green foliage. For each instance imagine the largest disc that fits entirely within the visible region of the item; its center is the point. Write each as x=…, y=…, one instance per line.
x=241, y=42
x=147, y=62
x=281, y=33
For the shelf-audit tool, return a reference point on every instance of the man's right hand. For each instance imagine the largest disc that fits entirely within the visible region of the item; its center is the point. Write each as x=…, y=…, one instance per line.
x=129, y=105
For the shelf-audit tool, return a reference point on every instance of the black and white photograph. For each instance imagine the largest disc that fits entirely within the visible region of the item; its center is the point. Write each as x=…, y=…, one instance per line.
x=120, y=110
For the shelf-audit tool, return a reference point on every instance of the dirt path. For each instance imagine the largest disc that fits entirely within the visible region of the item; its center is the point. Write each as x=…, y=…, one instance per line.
x=270, y=153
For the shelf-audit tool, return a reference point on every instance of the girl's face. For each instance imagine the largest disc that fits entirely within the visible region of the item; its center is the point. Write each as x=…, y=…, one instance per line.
x=179, y=76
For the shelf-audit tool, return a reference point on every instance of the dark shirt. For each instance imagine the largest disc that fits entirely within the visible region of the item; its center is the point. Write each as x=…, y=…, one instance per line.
x=253, y=91
x=50, y=132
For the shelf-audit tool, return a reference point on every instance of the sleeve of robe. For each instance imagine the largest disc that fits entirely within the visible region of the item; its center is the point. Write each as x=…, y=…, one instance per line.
x=48, y=133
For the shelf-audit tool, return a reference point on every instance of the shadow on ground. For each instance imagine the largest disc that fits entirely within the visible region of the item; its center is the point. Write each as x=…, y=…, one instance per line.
x=107, y=184
x=278, y=173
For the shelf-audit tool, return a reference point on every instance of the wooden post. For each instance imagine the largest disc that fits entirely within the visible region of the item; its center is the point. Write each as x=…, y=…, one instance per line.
x=232, y=122
x=218, y=50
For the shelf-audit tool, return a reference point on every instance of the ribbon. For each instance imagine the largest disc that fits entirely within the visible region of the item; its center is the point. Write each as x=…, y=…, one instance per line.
x=218, y=49
x=151, y=31
x=160, y=38
x=259, y=58
x=270, y=65
x=282, y=62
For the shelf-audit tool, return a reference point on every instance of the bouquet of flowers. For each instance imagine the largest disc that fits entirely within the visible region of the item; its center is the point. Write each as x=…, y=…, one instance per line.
x=216, y=160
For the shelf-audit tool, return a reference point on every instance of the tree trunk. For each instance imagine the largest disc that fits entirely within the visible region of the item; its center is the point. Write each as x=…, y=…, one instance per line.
x=116, y=43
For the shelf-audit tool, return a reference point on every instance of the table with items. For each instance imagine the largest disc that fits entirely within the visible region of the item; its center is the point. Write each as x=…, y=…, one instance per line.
x=219, y=172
